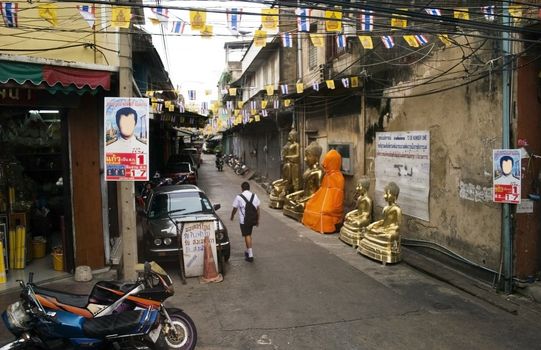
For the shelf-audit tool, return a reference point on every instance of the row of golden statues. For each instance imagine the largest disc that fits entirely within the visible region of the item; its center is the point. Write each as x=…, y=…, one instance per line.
x=317, y=200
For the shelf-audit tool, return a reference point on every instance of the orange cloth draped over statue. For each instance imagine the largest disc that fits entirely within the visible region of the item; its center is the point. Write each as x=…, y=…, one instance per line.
x=326, y=208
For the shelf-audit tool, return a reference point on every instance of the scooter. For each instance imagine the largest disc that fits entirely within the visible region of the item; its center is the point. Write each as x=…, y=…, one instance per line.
x=220, y=163
x=114, y=316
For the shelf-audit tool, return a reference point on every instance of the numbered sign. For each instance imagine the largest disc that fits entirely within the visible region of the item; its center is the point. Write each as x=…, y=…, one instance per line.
x=506, y=176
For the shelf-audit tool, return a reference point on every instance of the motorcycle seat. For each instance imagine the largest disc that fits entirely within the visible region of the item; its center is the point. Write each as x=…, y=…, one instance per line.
x=119, y=323
x=77, y=300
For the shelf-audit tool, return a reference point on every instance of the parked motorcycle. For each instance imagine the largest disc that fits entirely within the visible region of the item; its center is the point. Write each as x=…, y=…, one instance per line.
x=219, y=163
x=115, y=315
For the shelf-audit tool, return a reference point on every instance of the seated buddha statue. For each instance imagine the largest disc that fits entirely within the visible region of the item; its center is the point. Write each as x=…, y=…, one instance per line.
x=382, y=238
x=311, y=180
x=356, y=220
x=290, y=181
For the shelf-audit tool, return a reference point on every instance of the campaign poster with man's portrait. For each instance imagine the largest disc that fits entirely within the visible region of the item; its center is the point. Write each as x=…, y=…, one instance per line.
x=126, y=138
x=506, y=172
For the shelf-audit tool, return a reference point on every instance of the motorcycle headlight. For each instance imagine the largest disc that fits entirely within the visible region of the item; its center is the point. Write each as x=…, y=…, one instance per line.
x=219, y=235
x=16, y=318
x=167, y=241
x=157, y=241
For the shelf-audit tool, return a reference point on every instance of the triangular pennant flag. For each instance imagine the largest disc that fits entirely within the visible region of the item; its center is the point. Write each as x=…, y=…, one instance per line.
x=399, y=21
x=333, y=21
x=299, y=87
x=240, y=104
x=178, y=27
x=461, y=13
x=253, y=111
x=287, y=40
x=198, y=19
x=120, y=16
x=489, y=12
x=354, y=82
x=276, y=104
x=260, y=38
x=236, y=112
x=330, y=84
x=366, y=42
x=9, y=14
x=303, y=21
x=253, y=105
x=270, y=90
x=49, y=13
x=233, y=18
x=341, y=41
x=317, y=40
x=264, y=104
x=287, y=102
x=161, y=14
x=410, y=39
x=232, y=91
x=284, y=89
x=388, y=41
x=421, y=39
x=315, y=86
x=207, y=31
x=257, y=118
x=444, y=38
x=264, y=113
x=88, y=12
x=433, y=12
x=345, y=82
x=515, y=11
x=269, y=18
x=367, y=20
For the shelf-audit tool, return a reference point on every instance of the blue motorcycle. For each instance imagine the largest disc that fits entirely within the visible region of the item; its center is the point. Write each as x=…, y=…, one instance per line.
x=114, y=316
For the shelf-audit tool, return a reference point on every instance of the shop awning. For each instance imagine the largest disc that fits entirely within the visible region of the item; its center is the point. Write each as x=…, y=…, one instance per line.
x=48, y=76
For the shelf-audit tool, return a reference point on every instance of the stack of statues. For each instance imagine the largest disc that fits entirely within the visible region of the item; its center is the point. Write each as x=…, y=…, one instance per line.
x=290, y=181
x=379, y=240
x=311, y=180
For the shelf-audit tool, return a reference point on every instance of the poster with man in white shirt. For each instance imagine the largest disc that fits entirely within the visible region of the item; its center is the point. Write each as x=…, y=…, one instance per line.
x=126, y=139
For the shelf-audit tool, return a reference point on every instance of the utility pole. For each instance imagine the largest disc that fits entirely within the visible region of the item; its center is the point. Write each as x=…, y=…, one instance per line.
x=507, y=238
x=126, y=189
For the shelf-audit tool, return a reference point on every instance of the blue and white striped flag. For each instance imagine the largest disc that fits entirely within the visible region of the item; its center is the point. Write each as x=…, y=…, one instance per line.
x=161, y=14
x=9, y=13
x=191, y=95
x=433, y=12
x=421, y=39
x=287, y=40
x=264, y=113
x=489, y=12
x=388, y=41
x=284, y=89
x=341, y=40
x=276, y=104
x=253, y=105
x=303, y=22
x=88, y=12
x=315, y=86
x=178, y=27
x=345, y=82
x=229, y=105
x=367, y=20
x=233, y=18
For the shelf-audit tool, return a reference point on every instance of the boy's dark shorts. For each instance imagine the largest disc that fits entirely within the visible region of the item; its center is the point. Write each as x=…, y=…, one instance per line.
x=246, y=230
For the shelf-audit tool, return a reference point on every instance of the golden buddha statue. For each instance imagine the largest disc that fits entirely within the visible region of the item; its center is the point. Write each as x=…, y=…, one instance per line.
x=311, y=180
x=290, y=181
x=356, y=220
x=382, y=238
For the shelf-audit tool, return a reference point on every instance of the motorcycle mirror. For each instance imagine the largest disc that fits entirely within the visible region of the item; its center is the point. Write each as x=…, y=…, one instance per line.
x=30, y=277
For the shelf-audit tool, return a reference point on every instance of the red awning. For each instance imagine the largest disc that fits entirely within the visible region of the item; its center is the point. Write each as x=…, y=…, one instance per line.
x=66, y=76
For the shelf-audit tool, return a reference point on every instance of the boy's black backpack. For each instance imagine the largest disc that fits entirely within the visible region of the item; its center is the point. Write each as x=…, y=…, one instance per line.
x=250, y=212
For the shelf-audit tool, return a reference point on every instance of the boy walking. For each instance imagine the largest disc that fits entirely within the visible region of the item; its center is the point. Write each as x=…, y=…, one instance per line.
x=247, y=203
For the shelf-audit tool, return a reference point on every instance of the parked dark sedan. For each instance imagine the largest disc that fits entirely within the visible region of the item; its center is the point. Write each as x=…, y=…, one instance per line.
x=180, y=203
x=181, y=171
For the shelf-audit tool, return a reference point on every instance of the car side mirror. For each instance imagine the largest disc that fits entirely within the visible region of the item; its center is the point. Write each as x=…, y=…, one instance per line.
x=217, y=206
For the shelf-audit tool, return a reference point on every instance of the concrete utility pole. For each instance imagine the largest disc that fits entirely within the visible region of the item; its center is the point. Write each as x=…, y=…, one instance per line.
x=126, y=189
x=507, y=237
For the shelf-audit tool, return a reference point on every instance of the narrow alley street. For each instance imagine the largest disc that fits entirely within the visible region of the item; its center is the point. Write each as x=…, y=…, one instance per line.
x=308, y=291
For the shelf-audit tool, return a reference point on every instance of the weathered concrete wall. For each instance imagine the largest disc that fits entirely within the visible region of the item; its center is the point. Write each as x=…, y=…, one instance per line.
x=465, y=126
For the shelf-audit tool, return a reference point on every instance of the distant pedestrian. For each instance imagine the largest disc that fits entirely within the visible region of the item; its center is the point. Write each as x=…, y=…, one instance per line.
x=247, y=203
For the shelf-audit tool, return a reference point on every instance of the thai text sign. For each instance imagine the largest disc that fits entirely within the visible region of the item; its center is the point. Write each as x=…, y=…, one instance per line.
x=506, y=176
x=193, y=249
x=126, y=139
x=404, y=158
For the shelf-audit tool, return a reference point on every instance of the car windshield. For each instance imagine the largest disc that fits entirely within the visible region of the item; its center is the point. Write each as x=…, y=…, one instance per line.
x=179, y=167
x=184, y=202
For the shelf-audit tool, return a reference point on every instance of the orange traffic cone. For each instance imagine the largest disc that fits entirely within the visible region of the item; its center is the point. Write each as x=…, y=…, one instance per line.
x=209, y=266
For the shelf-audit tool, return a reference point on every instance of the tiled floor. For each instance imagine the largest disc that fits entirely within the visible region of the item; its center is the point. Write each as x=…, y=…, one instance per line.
x=42, y=269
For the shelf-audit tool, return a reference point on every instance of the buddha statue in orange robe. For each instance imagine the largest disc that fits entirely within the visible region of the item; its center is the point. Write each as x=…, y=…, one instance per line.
x=324, y=211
